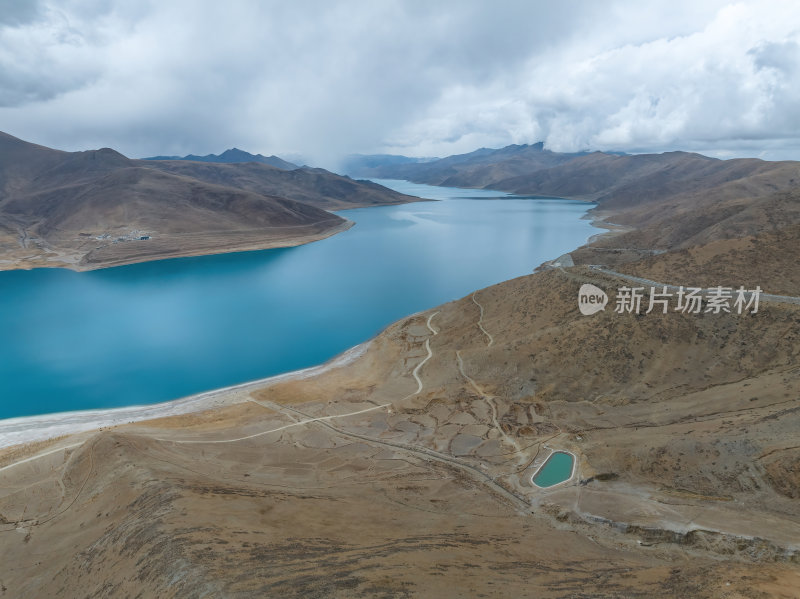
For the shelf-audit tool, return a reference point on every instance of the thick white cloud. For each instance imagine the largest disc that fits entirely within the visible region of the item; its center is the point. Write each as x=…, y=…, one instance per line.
x=425, y=78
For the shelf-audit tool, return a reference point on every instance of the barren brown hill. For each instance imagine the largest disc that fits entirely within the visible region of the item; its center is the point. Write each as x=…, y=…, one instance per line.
x=675, y=201
x=481, y=168
x=406, y=472
x=98, y=208
x=407, y=469
x=613, y=180
x=678, y=201
x=768, y=260
x=672, y=200
x=616, y=182
x=313, y=186
x=739, y=232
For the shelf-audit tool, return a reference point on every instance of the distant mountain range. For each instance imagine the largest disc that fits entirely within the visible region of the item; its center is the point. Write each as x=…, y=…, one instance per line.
x=673, y=198
x=233, y=156
x=81, y=208
x=475, y=169
x=98, y=208
x=364, y=165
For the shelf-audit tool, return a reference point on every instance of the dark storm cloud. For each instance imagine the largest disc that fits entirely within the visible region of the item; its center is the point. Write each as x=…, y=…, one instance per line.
x=425, y=78
x=42, y=54
x=16, y=12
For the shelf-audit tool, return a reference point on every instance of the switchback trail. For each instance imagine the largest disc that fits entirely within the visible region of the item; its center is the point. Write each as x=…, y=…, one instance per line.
x=416, y=370
x=480, y=321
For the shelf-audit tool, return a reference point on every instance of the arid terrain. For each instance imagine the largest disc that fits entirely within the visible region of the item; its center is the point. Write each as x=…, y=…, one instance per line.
x=406, y=470
x=93, y=209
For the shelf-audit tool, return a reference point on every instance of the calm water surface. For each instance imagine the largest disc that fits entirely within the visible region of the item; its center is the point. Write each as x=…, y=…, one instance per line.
x=151, y=332
x=556, y=469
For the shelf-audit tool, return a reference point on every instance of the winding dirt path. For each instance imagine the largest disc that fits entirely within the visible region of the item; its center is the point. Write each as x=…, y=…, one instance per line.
x=420, y=452
x=277, y=408
x=29, y=523
x=416, y=370
x=480, y=321
x=41, y=455
x=282, y=409
x=489, y=400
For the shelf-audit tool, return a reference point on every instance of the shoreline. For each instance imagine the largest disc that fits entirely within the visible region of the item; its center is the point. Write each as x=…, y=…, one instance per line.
x=74, y=263
x=23, y=430
x=76, y=266
x=600, y=220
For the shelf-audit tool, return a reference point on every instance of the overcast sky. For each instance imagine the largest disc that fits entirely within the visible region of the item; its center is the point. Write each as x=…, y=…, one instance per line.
x=426, y=78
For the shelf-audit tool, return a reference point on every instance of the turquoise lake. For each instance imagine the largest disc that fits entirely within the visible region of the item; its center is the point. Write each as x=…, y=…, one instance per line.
x=156, y=331
x=556, y=469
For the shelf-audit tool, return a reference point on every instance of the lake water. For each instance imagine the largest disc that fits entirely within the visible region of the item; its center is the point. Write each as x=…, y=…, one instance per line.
x=556, y=469
x=161, y=330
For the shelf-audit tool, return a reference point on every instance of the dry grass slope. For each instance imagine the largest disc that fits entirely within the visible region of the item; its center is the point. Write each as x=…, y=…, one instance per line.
x=98, y=208
x=406, y=472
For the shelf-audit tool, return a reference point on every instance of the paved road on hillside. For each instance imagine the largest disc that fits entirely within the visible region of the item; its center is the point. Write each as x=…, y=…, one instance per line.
x=764, y=297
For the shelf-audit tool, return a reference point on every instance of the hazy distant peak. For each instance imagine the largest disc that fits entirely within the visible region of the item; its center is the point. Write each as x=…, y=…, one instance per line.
x=233, y=156
x=106, y=153
x=237, y=155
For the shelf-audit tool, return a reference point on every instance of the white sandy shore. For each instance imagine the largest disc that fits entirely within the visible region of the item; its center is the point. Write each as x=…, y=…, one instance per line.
x=16, y=431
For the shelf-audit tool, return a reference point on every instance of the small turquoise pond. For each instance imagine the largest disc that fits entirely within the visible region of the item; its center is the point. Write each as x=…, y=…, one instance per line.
x=556, y=469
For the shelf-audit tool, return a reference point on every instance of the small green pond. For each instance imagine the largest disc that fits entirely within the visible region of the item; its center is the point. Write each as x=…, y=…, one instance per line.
x=556, y=469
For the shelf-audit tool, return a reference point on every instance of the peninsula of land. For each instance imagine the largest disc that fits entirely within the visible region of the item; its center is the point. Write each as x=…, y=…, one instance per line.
x=95, y=209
